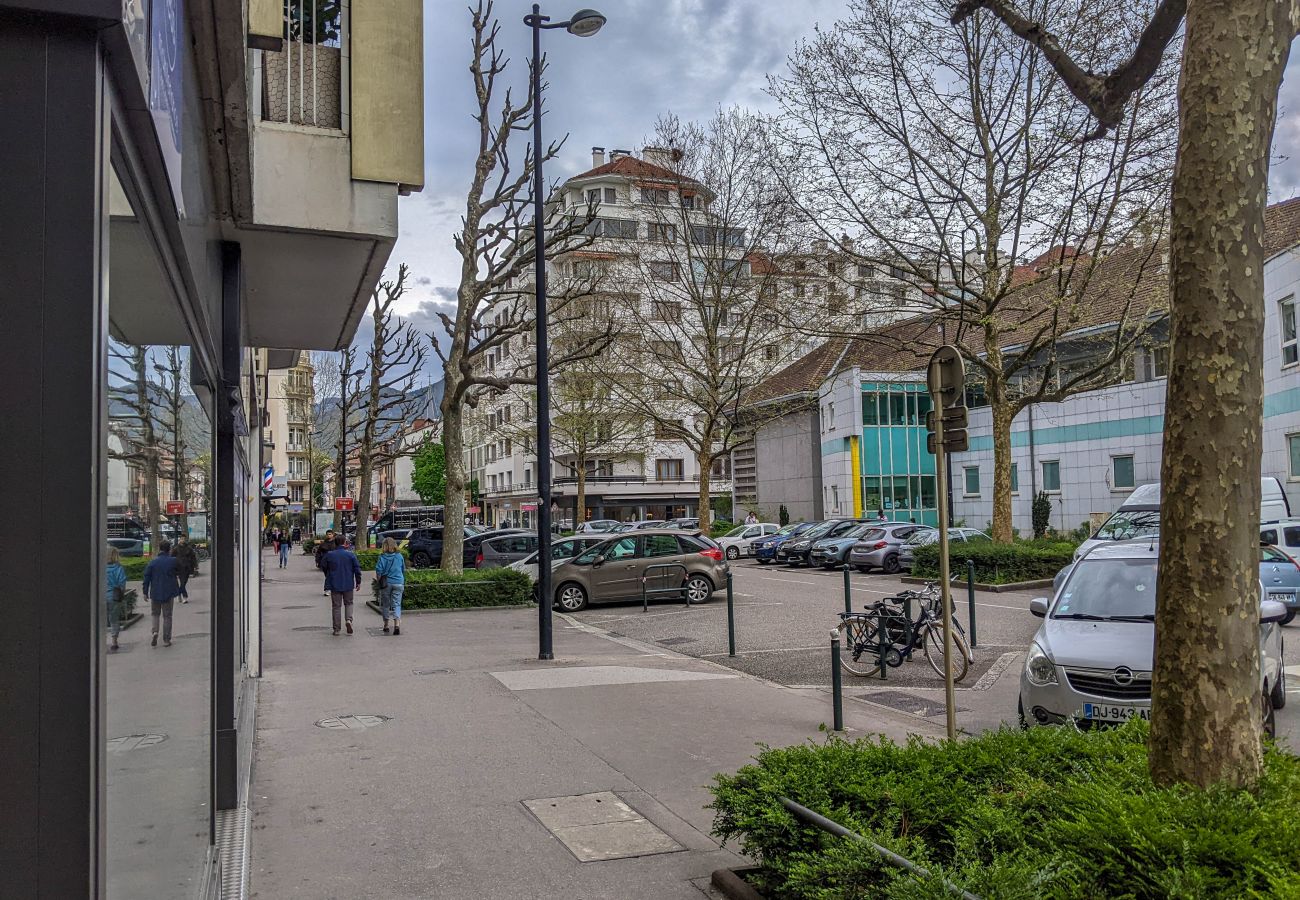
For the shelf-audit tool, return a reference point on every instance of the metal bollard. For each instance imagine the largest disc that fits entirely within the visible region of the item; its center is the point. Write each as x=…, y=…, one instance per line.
x=907, y=628
x=848, y=598
x=837, y=699
x=731, y=618
x=970, y=598
x=881, y=628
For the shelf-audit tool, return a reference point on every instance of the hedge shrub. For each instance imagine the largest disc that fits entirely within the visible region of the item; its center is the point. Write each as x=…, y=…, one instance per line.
x=998, y=563
x=1048, y=813
x=369, y=558
x=435, y=589
x=134, y=566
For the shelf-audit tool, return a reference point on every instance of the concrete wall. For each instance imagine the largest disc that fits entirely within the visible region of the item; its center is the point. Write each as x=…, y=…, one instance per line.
x=788, y=467
x=840, y=418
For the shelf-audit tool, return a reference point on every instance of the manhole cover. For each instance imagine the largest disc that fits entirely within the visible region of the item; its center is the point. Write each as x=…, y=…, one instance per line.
x=352, y=723
x=313, y=628
x=918, y=706
x=129, y=742
x=600, y=826
x=192, y=634
x=431, y=671
x=297, y=607
x=673, y=641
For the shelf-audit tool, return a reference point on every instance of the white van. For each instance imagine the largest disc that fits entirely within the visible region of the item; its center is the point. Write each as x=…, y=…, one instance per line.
x=1139, y=515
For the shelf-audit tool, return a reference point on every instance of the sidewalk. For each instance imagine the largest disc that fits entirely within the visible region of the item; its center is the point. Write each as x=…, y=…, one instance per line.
x=430, y=802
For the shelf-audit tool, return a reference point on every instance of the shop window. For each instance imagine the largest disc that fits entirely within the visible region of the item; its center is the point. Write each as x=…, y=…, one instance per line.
x=1121, y=472
x=1051, y=475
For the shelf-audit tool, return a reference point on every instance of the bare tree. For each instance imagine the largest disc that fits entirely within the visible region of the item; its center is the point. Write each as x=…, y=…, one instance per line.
x=135, y=409
x=1206, y=707
x=393, y=362
x=349, y=385
x=700, y=331
x=951, y=153
x=171, y=383
x=488, y=335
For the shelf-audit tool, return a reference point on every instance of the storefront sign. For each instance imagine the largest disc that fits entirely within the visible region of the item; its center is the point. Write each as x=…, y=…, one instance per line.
x=175, y=507
x=343, y=504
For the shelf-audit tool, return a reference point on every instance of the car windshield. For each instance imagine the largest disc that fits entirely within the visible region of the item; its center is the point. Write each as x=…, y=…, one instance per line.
x=871, y=533
x=818, y=530
x=737, y=531
x=1125, y=525
x=1115, y=589
x=1272, y=555
x=471, y=530
x=922, y=537
x=858, y=530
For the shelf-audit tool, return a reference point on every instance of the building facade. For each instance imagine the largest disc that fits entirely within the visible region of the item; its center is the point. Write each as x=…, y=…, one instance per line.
x=167, y=224
x=288, y=437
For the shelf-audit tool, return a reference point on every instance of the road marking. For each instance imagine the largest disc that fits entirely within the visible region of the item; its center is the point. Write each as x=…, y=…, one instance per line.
x=786, y=580
x=995, y=671
x=770, y=650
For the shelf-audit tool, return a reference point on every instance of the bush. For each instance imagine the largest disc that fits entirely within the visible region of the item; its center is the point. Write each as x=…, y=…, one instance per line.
x=129, y=596
x=134, y=566
x=998, y=563
x=1045, y=813
x=720, y=527
x=435, y=589
x=1041, y=513
x=369, y=558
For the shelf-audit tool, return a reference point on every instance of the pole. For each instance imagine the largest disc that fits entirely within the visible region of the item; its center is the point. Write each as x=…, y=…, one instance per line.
x=848, y=600
x=731, y=618
x=837, y=699
x=545, y=649
x=970, y=598
x=945, y=594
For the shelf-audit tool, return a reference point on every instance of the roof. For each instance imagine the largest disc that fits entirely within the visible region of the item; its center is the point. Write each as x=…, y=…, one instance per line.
x=802, y=376
x=631, y=167
x=1281, y=227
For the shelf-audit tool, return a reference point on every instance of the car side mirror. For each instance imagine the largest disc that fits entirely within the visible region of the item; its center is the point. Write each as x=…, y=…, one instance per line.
x=1271, y=611
x=1038, y=606
x=598, y=561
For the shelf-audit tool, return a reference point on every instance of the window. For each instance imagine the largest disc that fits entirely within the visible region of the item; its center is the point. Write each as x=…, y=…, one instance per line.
x=661, y=231
x=663, y=271
x=1293, y=449
x=657, y=196
x=668, y=470
x=663, y=432
x=896, y=272
x=1052, y=475
x=770, y=352
x=721, y=468
x=830, y=416
x=797, y=290
x=507, y=447
x=659, y=545
x=1015, y=478
x=688, y=201
x=1160, y=361
x=610, y=196
x=593, y=196
x=666, y=311
x=866, y=271
x=1121, y=468
x=717, y=235
x=972, y=474
x=613, y=228
x=1290, y=350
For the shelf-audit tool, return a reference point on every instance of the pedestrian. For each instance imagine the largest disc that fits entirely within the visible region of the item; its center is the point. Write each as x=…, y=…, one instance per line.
x=286, y=542
x=881, y=517
x=161, y=586
x=751, y=519
x=343, y=576
x=187, y=564
x=275, y=541
x=295, y=536
x=391, y=572
x=114, y=595
x=322, y=548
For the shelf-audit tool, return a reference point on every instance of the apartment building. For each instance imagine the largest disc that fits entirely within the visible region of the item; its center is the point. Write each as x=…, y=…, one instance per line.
x=681, y=302
x=231, y=171
x=288, y=440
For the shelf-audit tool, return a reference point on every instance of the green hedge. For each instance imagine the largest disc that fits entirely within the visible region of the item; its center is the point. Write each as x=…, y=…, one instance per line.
x=369, y=558
x=435, y=589
x=1048, y=813
x=720, y=527
x=134, y=566
x=998, y=563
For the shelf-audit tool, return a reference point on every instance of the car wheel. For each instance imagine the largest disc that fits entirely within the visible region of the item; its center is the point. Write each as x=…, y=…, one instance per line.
x=421, y=560
x=891, y=564
x=1269, y=716
x=698, y=589
x=1020, y=714
x=863, y=569
x=1290, y=614
x=571, y=597
x=762, y=562
x=1279, y=689
x=733, y=553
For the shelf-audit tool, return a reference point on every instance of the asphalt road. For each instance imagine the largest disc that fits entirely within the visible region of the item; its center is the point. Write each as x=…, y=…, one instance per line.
x=783, y=621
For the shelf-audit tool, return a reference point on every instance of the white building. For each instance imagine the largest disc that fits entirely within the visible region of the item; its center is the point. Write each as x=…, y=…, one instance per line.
x=287, y=436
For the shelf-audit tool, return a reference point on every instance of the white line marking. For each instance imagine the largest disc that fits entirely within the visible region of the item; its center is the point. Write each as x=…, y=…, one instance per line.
x=995, y=671
x=786, y=580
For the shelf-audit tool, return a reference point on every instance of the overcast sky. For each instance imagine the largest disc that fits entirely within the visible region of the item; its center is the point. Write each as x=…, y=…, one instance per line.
x=653, y=56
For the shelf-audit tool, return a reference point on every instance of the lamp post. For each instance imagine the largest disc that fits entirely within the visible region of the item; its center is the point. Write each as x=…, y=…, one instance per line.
x=583, y=23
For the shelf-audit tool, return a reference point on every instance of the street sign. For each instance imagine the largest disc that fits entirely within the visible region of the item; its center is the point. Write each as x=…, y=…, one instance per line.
x=946, y=378
x=528, y=507
x=343, y=504
x=175, y=507
x=473, y=510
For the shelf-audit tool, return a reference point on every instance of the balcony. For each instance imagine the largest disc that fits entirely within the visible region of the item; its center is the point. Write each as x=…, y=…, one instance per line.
x=600, y=479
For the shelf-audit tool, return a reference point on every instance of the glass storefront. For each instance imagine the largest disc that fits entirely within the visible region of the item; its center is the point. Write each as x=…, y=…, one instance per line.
x=898, y=473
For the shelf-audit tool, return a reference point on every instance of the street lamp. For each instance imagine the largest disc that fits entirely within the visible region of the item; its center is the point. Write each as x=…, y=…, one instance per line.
x=584, y=23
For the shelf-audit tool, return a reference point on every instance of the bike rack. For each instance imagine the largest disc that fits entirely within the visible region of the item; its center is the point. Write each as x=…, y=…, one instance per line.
x=681, y=589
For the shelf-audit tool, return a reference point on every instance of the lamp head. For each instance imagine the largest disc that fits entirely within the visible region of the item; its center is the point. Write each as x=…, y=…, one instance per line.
x=585, y=22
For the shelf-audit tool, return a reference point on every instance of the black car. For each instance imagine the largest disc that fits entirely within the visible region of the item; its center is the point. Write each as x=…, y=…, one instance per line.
x=424, y=546
x=797, y=551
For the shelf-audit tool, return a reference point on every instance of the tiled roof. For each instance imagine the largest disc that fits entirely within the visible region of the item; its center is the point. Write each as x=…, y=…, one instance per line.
x=631, y=167
x=801, y=376
x=1281, y=226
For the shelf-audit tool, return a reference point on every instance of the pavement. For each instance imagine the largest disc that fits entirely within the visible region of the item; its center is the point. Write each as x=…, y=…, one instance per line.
x=450, y=762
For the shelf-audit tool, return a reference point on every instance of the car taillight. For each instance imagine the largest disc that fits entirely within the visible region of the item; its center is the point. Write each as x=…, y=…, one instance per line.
x=712, y=553
x=478, y=560
x=879, y=545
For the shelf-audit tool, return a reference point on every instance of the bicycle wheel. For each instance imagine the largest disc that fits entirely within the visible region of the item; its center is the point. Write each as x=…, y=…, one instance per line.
x=933, y=642
x=859, y=650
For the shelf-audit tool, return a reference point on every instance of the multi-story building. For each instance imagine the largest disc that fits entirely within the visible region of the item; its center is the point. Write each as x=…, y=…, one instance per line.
x=288, y=431
x=202, y=182
x=688, y=303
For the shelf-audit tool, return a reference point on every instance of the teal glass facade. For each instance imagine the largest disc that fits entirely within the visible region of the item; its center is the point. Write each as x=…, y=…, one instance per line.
x=898, y=473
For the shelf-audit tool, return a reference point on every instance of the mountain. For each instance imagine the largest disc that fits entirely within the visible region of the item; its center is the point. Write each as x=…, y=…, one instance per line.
x=426, y=402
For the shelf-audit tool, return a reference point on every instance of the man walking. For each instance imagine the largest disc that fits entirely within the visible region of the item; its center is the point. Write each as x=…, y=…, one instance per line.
x=161, y=586
x=342, y=576
x=286, y=542
x=187, y=564
x=322, y=548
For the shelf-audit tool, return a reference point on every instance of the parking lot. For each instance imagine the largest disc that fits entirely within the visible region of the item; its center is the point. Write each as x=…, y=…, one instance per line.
x=783, y=621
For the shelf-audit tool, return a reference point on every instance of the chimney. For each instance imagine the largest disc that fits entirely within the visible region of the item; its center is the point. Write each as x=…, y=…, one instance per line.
x=597, y=157
x=615, y=154
x=657, y=156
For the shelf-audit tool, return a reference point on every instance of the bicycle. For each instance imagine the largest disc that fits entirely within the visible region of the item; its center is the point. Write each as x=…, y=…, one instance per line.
x=884, y=625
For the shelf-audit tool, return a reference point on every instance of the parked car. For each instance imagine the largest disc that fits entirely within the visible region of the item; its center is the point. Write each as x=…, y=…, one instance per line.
x=879, y=547
x=1280, y=575
x=424, y=546
x=127, y=546
x=686, y=524
x=503, y=549
x=740, y=540
x=927, y=535
x=401, y=535
x=1090, y=662
x=598, y=526
x=764, y=549
x=560, y=551
x=833, y=552
x=798, y=552
x=613, y=569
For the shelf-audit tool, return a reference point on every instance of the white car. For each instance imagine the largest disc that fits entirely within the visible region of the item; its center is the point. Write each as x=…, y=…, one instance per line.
x=561, y=550
x=735, y=543
x=1091, y=660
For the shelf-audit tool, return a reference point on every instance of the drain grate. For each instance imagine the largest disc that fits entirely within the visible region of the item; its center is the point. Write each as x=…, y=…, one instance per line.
x=313, y=628
x=431, y=671
x=352, y=723
x=674, y=641
x=910, y=703
x=129, y=742
x=232, y=847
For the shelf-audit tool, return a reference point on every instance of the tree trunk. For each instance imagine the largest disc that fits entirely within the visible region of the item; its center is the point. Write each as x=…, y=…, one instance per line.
x=1205, y=711
x=362, y=502
x=151, y=473
x=995, y=388
x=705, y=461
x=580, y=514
x=453, y=511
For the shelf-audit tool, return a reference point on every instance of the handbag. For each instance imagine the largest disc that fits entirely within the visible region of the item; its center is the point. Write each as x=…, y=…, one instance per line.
x=383, y=581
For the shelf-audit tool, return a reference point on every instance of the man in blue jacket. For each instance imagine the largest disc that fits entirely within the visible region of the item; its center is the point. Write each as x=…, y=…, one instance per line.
x=162, y=584
x=342, y=576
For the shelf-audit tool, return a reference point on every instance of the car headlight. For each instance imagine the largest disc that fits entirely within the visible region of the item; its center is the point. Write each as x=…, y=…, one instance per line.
x=1039, y=668
x=802, y=545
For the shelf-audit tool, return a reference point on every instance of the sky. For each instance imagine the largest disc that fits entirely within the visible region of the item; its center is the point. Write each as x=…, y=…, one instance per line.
x=688, y=57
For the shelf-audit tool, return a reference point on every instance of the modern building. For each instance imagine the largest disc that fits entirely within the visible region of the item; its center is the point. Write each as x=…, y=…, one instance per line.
x=856, y=426
x=218, y=180
x=288, y=432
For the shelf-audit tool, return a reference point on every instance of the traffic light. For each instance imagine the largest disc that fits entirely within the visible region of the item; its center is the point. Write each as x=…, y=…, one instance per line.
x=946, y=378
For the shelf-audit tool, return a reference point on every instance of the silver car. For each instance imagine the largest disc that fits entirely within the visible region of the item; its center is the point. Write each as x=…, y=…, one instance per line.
x=927, y=535
x=561, y=550
x=1090, y=662
x=502, y=550
x=878, y=547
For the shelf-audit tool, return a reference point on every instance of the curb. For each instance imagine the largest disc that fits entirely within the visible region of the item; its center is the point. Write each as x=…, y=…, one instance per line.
x=374, y=605
x=732, y=885
x=992, y=588
x=129, y=621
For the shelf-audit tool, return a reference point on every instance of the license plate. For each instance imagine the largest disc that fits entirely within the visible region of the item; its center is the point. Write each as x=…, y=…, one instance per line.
x=1287, y=597
x=1106, y=712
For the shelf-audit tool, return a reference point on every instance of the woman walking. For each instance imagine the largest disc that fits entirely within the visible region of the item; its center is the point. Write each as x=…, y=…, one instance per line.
x=391, y=572
x=286, y=542
x=115, y=594
x=187, y=564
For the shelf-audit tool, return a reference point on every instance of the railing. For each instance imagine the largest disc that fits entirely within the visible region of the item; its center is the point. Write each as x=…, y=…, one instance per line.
x=598, y=479
x=303, y=83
